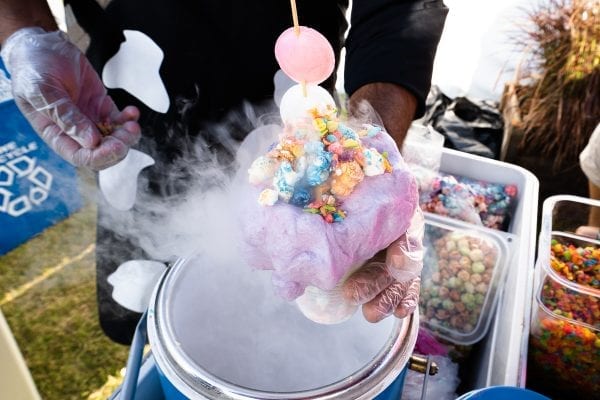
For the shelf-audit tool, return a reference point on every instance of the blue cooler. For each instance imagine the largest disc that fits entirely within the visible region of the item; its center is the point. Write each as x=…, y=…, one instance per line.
x=228, y=336
x=152, y=385
x=37, y=187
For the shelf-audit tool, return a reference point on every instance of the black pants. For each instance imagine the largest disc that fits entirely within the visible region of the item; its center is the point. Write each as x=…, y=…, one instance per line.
x=116, y=244
x=117, y=322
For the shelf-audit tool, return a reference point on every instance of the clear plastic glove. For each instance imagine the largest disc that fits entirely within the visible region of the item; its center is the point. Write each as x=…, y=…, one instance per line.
x=63, y=98
x=391, y=287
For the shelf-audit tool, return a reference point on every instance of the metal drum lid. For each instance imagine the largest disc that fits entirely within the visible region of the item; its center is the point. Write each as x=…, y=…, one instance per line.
x=220, y=328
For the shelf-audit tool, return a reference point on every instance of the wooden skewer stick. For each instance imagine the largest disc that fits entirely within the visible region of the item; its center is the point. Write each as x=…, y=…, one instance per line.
x=295, y=17
x=297, y=32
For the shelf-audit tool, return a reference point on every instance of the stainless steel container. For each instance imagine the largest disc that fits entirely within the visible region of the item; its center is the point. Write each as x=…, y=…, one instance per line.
x=218, y=332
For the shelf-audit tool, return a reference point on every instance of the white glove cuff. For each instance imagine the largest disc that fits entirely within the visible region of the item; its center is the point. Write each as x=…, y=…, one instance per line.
x=405, y=257
x=16, y=38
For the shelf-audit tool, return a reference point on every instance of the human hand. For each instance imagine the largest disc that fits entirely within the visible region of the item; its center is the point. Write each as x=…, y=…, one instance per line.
x=62, y=97
x=391, y=287
x=588, y=231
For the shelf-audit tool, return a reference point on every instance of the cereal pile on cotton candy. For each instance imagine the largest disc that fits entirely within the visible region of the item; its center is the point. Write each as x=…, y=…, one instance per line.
x=323, y=200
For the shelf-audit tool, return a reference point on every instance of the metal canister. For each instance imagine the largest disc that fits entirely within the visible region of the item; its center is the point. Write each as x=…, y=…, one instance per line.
x=217, y=331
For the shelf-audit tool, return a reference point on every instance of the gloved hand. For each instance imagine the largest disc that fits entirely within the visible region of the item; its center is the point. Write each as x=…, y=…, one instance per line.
x=391, y=287
x=61, y=95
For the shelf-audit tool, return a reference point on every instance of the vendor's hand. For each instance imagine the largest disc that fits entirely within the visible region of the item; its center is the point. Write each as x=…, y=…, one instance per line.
x=63, y=98
x=589, y=231
x=391, y=287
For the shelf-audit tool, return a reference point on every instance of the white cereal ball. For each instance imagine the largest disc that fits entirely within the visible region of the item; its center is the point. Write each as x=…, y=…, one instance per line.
x=294, y=105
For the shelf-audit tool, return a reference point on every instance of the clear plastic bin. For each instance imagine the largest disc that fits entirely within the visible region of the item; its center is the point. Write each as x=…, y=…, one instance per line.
x=565, y=256
x=576, y=260
x=564, y=343
x=563, y=353
x=570, y=301
x=464, y=270
x=501, y=356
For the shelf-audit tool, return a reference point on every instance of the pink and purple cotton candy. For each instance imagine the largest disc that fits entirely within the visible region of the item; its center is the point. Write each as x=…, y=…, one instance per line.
x=304, y=250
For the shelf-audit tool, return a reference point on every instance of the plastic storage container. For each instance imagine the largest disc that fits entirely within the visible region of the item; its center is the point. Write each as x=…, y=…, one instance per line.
x=464, y=271
x=570, y=301
x=501, y=356
x=565, y=327
x=565, y=257
x=576, y=259
x=565, y=353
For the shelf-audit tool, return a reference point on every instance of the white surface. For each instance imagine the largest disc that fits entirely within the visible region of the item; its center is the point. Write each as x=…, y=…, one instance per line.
x=118, y=183
x=135, y=69
x=133, y=283
x=502, y=359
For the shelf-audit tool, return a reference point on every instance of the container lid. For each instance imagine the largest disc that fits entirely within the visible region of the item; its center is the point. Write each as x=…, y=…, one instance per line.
x=502, y=393
x=464, y=269
x=217, y=325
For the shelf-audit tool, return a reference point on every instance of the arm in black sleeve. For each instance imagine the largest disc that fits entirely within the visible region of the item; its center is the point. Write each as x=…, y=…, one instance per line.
x=394, y=41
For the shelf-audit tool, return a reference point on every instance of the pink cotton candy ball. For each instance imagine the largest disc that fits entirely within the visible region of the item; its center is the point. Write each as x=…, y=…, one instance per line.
x=307, y=57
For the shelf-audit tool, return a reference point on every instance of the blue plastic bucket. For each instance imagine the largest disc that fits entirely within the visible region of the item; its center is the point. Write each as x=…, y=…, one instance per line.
x=227, y=336
x=502, y=393
x=392, y=392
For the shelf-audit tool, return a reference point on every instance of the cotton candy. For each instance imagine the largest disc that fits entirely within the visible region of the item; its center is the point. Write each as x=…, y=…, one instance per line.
x=303, y=249
x=306, y=57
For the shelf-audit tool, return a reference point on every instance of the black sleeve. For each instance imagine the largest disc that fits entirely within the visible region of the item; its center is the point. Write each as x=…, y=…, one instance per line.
x=394, y=41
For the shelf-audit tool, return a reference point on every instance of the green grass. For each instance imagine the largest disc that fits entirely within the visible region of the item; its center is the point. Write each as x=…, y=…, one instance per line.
x=55, y=320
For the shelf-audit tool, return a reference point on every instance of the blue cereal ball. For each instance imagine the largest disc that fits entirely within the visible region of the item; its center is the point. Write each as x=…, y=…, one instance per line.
x=301, y=197
x=318, y=168
x=373, y=130
x=316, y=176
x=347, y=132
x=284, y=181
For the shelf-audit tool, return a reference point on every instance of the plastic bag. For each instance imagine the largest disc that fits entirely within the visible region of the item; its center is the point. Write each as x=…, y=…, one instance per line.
x=422, y=152
x=472, y=126
x=478, y=202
